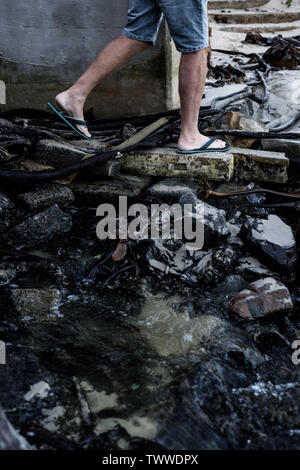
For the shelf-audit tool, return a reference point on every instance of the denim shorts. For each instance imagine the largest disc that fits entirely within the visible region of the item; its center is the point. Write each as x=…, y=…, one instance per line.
x=187, y=21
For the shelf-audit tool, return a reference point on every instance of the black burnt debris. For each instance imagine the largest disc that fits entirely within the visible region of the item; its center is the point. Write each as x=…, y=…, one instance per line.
x=139, y=344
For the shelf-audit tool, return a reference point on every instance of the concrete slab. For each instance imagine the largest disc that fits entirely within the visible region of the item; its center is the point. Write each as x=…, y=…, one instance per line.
x=164, y=161
x=290, y=147
x=259, y=165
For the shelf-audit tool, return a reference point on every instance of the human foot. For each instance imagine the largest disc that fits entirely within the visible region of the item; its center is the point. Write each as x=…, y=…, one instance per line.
x=196, y=142
x=73, y=106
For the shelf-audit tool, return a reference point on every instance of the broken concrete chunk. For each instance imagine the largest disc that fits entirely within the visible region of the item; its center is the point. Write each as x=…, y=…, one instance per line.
x=248, y=125
x=165, y=161
x=57, y=154
x=36, y=304
x=290, y=147
x=109, y=190
x=38, y=228
x=215, y=225
x=46, y=196
x=262, y=298
x=272, y=240
x=172, y=189
x=251, y=269
x=258, y=165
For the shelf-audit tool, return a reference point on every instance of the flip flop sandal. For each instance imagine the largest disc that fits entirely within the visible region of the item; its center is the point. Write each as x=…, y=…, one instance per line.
x=69, y=120
x=205, y=149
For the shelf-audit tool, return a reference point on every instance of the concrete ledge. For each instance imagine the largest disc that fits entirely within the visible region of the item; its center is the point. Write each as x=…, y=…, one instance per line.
x=235, y=4
x=166, y=162
x=245, y=17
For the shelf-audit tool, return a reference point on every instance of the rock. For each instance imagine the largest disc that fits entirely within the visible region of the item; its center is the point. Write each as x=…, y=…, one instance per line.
x=7, y=273
x=32, y=165
x=36, y=304
x=5, y=123
x=7, y=212
x=110, y=168
x=172, y=189
x=109, y=190
x=259, y=165
x=204, y=267
x=47, y=195
x=5, y=203
x=262, y=298
x=38, y=228
x=215, y=225
x=164, y=161
x=57, y=154
x=273, y=240
x=248, y=125
x=10, y=439
x=251, y=269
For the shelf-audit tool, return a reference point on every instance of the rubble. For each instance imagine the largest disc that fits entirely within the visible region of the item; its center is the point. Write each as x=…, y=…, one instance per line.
x=36, y=304
x=57, y=154
x=10, y=439
x=96, y=192
x=215, y=225
x=262, y=298
x=171, y=189
x=38, y=228
x=271, y=240
x=258, y=165
x=46, y=196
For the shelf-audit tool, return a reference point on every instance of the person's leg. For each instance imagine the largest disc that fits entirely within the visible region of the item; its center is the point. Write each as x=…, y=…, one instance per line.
x=116, y=53
x=188, y=24
x=192, y=77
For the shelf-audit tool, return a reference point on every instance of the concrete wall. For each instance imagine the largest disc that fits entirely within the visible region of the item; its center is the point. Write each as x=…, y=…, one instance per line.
x=45, y=45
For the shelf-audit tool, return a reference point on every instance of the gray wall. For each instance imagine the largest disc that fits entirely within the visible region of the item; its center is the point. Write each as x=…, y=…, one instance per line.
x=45, y=45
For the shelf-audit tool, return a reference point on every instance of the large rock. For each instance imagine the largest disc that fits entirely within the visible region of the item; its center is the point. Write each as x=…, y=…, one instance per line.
x=36, y=304
x=38, y=228
x=10, y=439
x=215, y=225
x=247, y=124
x=273, y=240
x=262, y=298
x=109, y=190
x=46, y=196
x=164, y=161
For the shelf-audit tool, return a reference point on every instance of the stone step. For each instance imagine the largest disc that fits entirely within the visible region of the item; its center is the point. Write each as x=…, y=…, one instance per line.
x=164, y=161
x=247, y=164
x=235, y=4
x=246, y=17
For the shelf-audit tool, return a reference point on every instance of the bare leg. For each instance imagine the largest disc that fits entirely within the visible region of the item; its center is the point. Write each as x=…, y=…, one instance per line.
x=192, y=77
x=116, y=53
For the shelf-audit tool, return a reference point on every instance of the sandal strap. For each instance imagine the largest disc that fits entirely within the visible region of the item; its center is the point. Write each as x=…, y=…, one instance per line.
x=75, y=121
x=207, y=144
